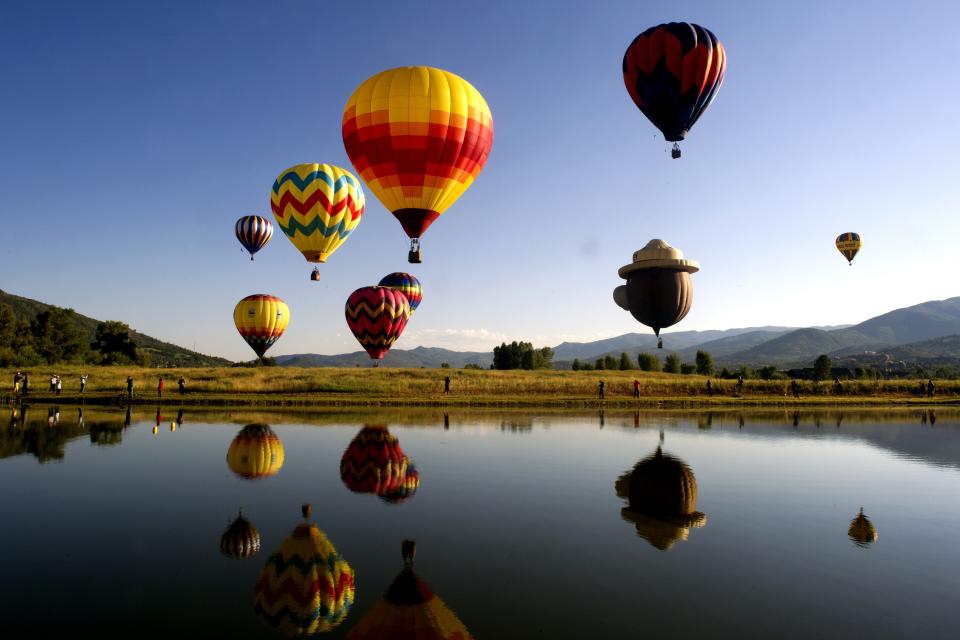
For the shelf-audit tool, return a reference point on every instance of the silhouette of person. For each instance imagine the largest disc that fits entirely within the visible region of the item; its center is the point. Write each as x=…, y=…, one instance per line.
x=182, y=384
x=83, y=382
x=130, y=387
x=709, y=388
x=739, y=384
x=795, y=388
x=160, y=387
x=600, y=387
x=636, y=388
x=837, y=385
x=929, y=388
x=446, y=384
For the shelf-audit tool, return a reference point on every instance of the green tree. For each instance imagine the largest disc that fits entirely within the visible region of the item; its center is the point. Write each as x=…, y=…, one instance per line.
x=8, y=325
x=704, y=363
x=610, y=363
x=576, y=364
x=112, y=340
x=821, y=367
x=744, y=372
x=521, y=355
x=650, y=362
x=767, y=373
x=598, y=365
x=625, y=362
x=687, y=369
x=673, y=364
x=56, y=336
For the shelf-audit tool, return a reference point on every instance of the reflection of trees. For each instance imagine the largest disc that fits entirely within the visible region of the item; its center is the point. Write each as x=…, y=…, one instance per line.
x=519, y=424
x=106, y=434
x=47, y=442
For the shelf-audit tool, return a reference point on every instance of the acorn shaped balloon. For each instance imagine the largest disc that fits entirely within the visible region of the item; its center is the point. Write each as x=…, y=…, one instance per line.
x=253, y=232
x=862, y=531
x=261, y=319
x=256, y=452
x=418, y=136
x=406, y=284
x=240, y=540
x=377, y=316
x=659, y=290
x=317, y=206
x=306, y=587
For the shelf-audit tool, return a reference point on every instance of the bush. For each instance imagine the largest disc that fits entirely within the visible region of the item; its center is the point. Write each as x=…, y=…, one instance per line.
x=673, y=364
x=650, y=362
x=704, y=363
x=625, y=362
x=687, y=369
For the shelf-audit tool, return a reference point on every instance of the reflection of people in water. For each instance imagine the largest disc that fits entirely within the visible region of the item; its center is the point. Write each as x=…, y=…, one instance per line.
x=180, y=418
x=128, y=418
x=446, y=421
x=601, y=419
x=740, y=420
x=159, y=417
x=80, y=417
x=636, y=419
x=796, y=418
x=839, y=420
x=933, y=418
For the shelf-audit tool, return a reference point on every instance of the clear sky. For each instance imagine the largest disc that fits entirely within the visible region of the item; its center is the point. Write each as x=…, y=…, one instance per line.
x=132, y=135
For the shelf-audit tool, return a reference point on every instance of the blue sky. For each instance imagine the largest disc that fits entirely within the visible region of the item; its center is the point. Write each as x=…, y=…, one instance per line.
x=132, y=135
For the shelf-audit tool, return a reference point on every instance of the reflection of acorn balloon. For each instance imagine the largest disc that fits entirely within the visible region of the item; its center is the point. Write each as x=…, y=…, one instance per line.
x=306, y=587
x=659, y=289
x=862, y=531
x=409, y=610
x=255, y=452
x=240, y=540
x=662, y=495
x=374, y=463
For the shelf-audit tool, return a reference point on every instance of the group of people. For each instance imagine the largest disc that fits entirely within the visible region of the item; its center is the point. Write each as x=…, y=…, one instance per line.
x=181, y=386
x=21, y=384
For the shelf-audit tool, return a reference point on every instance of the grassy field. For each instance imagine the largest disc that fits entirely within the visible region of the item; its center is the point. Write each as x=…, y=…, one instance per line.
x=292, y=387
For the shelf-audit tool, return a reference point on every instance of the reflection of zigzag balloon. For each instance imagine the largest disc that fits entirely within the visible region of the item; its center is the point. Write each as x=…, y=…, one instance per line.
x=306, y=587
x=374, y=462
x=377, y=317
x=317, y=206
x=406, y=284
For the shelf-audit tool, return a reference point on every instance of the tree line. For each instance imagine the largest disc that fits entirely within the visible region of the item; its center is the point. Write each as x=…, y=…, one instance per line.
x=521, y=355
x=54, y=336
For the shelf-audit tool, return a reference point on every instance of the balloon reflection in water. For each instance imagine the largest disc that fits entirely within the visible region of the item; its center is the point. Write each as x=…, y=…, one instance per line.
x=409, y=610
x=374, y=463
x=662, y=494
x=240, y=540
x=862, y=531
x=256, y=452
x=305, y=587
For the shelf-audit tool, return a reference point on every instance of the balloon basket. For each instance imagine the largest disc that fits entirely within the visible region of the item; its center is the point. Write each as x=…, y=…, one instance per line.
x=315, y=275
x=675, y=152
x=414, y=257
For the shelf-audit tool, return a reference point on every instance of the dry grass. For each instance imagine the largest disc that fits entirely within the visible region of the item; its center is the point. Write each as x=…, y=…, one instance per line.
x=346, y=386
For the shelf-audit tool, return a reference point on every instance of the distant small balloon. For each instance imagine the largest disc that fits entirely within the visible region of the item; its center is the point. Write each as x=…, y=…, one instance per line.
x=406, y=284
x=849, y=244
x=253, y=232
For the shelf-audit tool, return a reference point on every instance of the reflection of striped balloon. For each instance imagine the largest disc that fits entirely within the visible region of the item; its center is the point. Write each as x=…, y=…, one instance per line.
x=261, y=319
x=306, y=587
x=317, y=206
x=240, y=540
x=419, y=137
x=377, y=317
x=374, y=462
x=409, y=486
x=849, y=244
x=405, y=284
x=254, y=233
x=255, y=452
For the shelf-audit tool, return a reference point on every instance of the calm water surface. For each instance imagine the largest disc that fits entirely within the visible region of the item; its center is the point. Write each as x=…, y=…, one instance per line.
x=520, y=530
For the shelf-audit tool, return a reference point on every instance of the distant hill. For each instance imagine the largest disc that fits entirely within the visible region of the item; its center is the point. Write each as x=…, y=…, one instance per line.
x=914, y=324
x=161, y=353
x=429, y=357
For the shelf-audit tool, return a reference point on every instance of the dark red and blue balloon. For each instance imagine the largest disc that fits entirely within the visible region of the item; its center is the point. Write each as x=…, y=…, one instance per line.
x=253, y=232
x=405, y=284
x=673, y=72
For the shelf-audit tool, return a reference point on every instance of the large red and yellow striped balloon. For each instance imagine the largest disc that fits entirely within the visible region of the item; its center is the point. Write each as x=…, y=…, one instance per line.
x=418, y=136
x=377, y=317
x=317, y=206
x=374, y=462
x=261, y=319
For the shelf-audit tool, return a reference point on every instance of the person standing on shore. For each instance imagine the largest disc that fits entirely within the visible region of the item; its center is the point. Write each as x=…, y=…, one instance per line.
x=600, y=387
x=16, y=384
x=53, y=383
x=709, y=389
x=446, y=384
x=636, y=388
x=182, y=385
x=129, y=387
x=59, y=384
x=795, y=388
x=83, y=382
x=160, y=388
x=929, y=388
x=739, y=384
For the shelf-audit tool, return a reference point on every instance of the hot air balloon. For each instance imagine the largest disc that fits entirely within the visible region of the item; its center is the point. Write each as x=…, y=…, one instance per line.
x=254, y=233
x=862, y=531
x=409, y=610
x=261, y=319
x=405, y=284
x=306, y=587
x=418, y=137
x=620, y=297
x=848, y=244
x=374, y=463
x=377, y=317
x=662, y=495
x=673, y=72
x=240, y=540
x=659, y=289
x=317, y=206
x=255, y=452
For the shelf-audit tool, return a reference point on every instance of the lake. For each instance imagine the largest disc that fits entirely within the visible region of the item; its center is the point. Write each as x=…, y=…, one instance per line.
x=526, y=525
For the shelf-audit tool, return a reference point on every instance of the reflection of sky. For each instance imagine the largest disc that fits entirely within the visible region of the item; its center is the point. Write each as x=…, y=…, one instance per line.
x=519, y=533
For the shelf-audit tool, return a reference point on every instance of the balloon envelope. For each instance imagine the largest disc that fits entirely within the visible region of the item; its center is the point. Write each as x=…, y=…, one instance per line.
x=240, y=540
x=673, y=72
x=406, y=284
x=317, y=206
x=253, y=232
x=261, y=319
x=849, y=244
x=374, y=462
x=418, y=136
x=255, y=452
x=377, y=317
